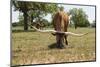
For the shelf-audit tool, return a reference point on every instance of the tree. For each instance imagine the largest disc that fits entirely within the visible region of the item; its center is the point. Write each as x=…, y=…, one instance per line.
x=38, y=15
x=37, y=10
x=23, y=7
x=79, y=17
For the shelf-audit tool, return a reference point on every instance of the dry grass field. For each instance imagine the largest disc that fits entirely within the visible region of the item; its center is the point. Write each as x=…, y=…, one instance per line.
x=34, y=47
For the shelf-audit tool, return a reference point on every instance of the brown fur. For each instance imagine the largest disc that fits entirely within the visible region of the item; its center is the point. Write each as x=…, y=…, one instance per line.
x=60, y=22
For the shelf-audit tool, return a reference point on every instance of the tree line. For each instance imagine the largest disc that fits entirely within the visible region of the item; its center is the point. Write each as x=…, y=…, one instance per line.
x=33, y=12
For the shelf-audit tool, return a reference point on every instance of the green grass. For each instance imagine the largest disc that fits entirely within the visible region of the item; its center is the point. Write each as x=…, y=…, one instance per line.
x=32, y=47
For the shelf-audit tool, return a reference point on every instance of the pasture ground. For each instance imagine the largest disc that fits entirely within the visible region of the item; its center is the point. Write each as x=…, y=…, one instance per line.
x=32, y=47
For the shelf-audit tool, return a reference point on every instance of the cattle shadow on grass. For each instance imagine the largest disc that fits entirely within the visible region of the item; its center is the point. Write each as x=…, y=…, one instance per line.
x=54, y=46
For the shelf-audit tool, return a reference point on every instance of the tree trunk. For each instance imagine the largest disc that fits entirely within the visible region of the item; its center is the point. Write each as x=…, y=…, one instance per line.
x=31, y=18
x=25, y=20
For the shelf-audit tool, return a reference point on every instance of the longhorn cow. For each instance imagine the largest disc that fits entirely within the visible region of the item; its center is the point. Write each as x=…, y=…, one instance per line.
x=60, y=23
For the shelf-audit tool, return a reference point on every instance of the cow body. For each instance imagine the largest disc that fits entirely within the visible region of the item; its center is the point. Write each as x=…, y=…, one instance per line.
x=60, y=22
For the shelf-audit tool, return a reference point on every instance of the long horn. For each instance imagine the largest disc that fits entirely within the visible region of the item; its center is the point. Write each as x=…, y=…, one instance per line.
x=52, y=31
x=60, y=32
x=74, y=34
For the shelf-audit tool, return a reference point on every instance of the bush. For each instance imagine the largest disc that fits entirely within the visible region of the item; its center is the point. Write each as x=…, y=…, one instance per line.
x=14, y=24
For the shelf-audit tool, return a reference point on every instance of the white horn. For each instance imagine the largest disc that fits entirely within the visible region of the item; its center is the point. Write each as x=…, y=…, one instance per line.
x=54, y=31
x=74, y=34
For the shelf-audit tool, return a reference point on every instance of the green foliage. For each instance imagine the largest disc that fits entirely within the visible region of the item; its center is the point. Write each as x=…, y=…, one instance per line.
x=45, y=22
x=14, y=24
x=21, y=20
x=79, y=17
x=61, y=8
x=20, y=23
x=33, y=10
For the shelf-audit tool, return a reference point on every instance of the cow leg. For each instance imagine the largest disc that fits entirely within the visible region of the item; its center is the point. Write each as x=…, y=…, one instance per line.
x=66, y=40
x=60, y=41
